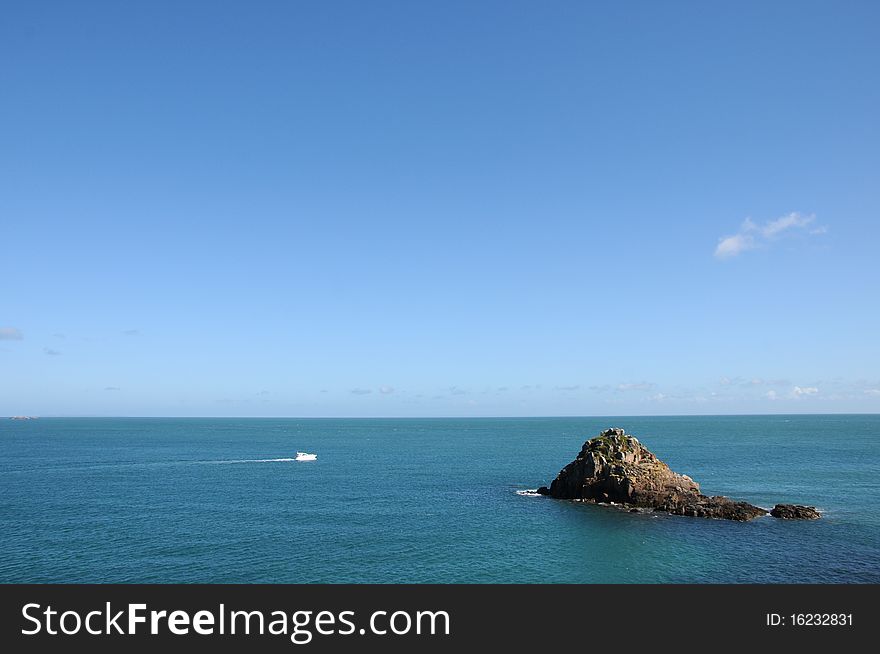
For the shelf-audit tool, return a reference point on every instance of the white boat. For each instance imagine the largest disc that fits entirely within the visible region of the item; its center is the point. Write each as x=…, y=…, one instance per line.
x=305, y=456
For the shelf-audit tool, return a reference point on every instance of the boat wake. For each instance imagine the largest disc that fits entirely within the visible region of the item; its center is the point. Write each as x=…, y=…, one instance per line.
x=151, y=464
x=231, y=461
x=529, y=492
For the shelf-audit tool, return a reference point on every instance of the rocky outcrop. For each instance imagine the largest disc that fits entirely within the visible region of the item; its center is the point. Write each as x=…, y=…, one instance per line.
x=616, y=468
x=795, y=512
x=717, y=506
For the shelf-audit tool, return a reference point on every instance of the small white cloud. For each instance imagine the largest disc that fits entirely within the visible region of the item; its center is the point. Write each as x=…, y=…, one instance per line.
x=771, y=395
x=799, y=391
x=752, y=236
x=776, y=227
x=386, y=390
x=659, y=397
x=744, y=383
x=51, y=352
x=361, y=391
x=638, y=386
x=873, y=391
x=731, y=246
x=10, y=334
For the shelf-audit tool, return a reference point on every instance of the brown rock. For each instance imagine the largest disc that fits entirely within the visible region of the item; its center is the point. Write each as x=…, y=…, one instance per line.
x=615, y=467
x=795, y=512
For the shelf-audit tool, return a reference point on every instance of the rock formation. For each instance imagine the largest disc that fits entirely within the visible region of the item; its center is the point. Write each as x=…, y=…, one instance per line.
x=616, y=468
x=795, y=512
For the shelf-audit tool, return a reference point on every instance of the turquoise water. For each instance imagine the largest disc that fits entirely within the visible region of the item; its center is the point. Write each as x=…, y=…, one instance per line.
x=187, y=500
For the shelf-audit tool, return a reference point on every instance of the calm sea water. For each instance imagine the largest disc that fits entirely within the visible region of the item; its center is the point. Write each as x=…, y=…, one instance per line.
x=199, y=500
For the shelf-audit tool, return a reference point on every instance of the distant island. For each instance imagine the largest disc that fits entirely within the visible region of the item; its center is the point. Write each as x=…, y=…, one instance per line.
x=615, y=468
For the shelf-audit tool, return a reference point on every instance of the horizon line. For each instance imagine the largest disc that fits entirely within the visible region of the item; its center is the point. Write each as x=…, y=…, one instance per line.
x=461, y=417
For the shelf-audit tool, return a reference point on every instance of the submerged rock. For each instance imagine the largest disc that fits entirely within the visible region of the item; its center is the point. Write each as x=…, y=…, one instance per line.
x=795, y=512
x=616, y=468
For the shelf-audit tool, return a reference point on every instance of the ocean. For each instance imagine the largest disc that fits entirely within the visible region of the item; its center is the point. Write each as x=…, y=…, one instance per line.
x=424, y=501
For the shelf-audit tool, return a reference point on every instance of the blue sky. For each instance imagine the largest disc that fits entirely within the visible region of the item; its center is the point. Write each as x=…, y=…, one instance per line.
x=432, y=209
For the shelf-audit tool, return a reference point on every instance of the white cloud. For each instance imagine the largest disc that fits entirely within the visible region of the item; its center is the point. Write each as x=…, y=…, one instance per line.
x=873, y=391
x=799, y=391
x=752, y=236
x=744, y=383
x=771, y=395
x=638, y=386
x=10, y=334
x=730, y=246
x=776, y=227
x=361, y=391
x=386, y=390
